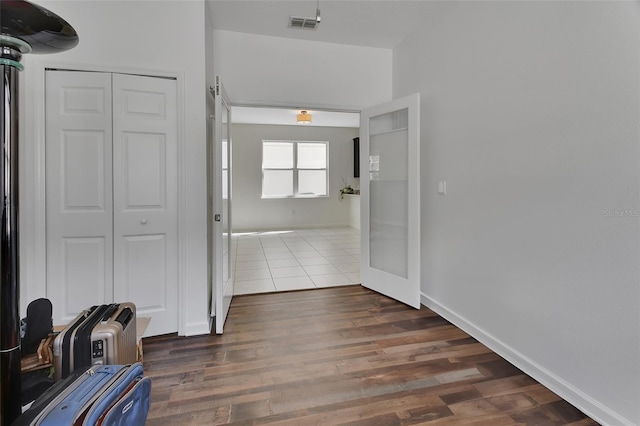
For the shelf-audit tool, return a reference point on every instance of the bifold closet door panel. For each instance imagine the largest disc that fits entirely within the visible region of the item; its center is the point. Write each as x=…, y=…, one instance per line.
x=79, y=214
x=111, y=191
x=145, y=155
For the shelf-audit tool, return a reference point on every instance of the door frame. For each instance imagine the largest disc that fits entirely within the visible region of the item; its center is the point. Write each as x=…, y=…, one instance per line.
x=33, y=265
x=222, y=294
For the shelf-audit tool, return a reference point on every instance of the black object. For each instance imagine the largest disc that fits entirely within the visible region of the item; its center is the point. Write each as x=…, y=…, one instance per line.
x=125, y=317
x=9, y=278
x=78, y=332
x=24, y=28
x=82, y=338
x=356, y=157
x=39, y=323
x=35, y=383
x=41, y=29
x=66, y=342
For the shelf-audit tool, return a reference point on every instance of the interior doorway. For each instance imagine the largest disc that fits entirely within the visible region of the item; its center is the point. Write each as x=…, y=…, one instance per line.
x=296, y=241
x=296, y=259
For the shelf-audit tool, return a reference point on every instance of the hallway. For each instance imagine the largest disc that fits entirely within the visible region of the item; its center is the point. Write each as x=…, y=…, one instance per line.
x=285, y=260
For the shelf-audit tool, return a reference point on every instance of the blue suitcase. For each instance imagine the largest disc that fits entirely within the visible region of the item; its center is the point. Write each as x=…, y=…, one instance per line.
x=103, y=395
x=125, y=402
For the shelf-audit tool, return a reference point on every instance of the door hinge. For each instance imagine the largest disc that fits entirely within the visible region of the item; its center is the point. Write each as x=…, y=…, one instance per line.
x=216, y=217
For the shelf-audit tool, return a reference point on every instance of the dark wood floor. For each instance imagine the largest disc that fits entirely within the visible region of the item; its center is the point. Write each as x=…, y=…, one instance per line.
x=341, y=355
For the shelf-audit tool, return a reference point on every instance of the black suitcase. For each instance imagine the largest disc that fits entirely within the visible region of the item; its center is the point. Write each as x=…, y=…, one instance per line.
x=72, y=347
x=82, y=337
x=62, y=343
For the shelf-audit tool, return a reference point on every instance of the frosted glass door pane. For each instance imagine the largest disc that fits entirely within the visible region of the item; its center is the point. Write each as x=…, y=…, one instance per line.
x=225, y=154
x=226, y=194
x=388, y=188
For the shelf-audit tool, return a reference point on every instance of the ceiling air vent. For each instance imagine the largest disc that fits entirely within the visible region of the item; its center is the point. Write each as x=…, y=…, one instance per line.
x=300, y=22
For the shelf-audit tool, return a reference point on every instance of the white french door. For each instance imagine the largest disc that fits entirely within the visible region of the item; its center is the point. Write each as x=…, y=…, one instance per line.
x=220, y=207
x=111, y=194
x=390, y=199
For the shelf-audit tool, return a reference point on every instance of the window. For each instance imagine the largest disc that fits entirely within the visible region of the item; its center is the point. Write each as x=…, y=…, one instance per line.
x=294, y=169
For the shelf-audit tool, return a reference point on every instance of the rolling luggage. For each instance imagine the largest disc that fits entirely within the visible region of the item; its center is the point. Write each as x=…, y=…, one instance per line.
x=27, y=417
x=62, y=355
x=101, y=395
x=80, y=349
x=114, y=340
x=104, y=334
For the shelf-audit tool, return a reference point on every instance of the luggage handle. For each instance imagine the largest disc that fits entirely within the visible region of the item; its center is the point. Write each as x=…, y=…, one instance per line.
x=125, y=317
x=110, y=310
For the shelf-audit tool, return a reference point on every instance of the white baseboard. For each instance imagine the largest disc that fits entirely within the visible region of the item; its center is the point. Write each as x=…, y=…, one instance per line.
x=570, y=393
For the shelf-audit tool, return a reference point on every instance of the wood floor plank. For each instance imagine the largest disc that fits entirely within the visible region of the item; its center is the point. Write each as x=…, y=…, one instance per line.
x=340, y=356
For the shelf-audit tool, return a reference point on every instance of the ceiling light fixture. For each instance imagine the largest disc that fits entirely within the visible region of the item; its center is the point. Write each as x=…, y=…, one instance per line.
x=303, y=118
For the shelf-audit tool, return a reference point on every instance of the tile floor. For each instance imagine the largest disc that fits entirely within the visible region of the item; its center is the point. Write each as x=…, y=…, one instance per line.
x=297, y=259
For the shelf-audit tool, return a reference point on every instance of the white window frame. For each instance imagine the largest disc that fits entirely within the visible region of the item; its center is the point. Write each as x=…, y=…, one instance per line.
x=295, y=169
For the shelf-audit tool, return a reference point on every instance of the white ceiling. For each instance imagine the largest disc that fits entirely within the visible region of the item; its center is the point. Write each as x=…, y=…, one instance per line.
x=372, y=23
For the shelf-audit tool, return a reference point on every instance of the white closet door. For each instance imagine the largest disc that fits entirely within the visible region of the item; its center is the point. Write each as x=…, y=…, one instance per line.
x=79, y=197
x=145, y=198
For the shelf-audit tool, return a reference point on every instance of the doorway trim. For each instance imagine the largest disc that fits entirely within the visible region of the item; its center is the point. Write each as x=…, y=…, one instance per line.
x=33, y=259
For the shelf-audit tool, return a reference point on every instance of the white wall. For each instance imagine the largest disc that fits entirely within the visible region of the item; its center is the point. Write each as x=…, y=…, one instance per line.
x=208, y=45
x=530, y=113
x=297, y=73
x=126, y=36
x=251, y=212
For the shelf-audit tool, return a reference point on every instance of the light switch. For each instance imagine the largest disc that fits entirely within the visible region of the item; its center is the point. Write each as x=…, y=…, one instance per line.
x=442, y=187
